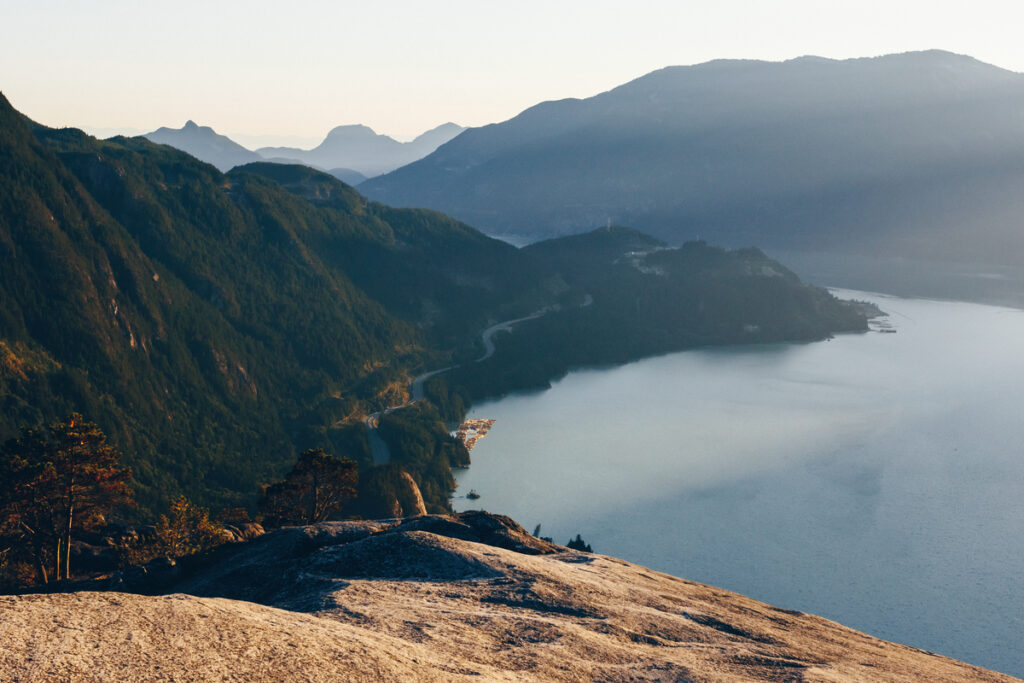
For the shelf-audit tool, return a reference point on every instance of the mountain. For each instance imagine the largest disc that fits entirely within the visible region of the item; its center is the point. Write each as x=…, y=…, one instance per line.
x=205, y=144
x=427, y=142
x=216, y=324
x=911, y=155
x=351, y=153
x=360, y=149
x=468, y=597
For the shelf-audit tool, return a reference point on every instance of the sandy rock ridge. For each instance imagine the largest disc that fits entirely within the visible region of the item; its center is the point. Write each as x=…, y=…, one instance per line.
x=468, y=597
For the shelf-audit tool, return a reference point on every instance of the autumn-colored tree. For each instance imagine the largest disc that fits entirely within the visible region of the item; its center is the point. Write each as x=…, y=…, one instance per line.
x=316, y=488
x=24, y=513
x=185, y=530
x=55, y=482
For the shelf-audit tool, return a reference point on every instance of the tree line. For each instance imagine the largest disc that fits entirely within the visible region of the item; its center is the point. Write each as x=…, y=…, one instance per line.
x=65, y=480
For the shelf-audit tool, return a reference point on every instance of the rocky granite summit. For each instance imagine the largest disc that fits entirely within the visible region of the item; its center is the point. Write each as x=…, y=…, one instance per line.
x=468, y=597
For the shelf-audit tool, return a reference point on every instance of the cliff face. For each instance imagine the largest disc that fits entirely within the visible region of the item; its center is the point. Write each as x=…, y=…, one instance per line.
x=434, y=598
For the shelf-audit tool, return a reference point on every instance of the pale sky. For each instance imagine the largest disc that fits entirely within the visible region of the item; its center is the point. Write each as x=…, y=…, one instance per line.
x=299, y=68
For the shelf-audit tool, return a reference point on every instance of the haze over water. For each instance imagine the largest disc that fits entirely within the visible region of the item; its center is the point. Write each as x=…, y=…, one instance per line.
x=874, y=479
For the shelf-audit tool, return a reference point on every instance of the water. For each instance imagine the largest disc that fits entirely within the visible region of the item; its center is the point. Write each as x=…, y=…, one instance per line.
x=874, y=479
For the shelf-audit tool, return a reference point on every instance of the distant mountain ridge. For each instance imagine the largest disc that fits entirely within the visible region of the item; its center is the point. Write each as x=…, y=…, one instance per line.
x=909, y=155
x=351, y=153
x=205, y=144
x=360, y=149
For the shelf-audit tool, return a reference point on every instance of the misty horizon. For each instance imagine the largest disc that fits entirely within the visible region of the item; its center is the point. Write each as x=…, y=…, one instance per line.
x=289, y=138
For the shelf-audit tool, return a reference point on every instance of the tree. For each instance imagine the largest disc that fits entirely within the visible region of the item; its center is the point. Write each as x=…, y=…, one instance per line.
x=55, y=482
x=186, y=530
x=316, y=488
x=24, y=509
x=579, y=544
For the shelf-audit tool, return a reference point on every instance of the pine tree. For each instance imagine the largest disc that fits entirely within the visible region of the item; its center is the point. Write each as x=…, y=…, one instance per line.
x=185, y=530
x=58, y=481
x=316, y=488
x=579, y=544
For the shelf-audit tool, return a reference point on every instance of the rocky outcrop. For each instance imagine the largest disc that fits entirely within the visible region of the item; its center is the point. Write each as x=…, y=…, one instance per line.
x=387, y=490
x=471, y=596
x=243, y=531
x=409, y=496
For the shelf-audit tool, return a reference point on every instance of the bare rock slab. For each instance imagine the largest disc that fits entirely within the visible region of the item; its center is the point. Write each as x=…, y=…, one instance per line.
x=468, y=597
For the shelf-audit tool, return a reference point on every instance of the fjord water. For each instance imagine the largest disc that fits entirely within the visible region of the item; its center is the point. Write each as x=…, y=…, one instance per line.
x=875, y=479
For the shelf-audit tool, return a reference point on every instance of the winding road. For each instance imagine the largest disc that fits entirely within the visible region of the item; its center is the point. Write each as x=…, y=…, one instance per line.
x=378, y=447
x=488, y=334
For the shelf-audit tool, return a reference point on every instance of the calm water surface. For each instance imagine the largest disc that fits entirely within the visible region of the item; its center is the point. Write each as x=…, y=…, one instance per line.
x=874, y=479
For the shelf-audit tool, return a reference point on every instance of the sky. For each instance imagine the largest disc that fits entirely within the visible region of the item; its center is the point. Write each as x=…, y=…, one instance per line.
x=294, y=70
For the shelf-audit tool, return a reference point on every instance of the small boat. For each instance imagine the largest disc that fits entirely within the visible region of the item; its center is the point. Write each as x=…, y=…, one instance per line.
x=472, y=495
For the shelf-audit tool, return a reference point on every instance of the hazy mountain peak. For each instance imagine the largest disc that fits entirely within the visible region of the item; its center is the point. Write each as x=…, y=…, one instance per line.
x=812, y=59
x=448, y=127
x=430, y=140
x=205, y=144
x=357, y=150
x=934, y=55
x=351, y=130
x=919, y=58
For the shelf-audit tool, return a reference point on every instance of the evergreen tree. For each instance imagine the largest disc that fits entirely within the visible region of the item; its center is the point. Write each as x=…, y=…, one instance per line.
x=316, y=488
x=579, y=544
x=55, y=482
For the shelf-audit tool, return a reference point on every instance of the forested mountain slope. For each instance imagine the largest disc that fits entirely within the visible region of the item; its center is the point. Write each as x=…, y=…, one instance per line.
x=215, y=324
x=206, y=320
